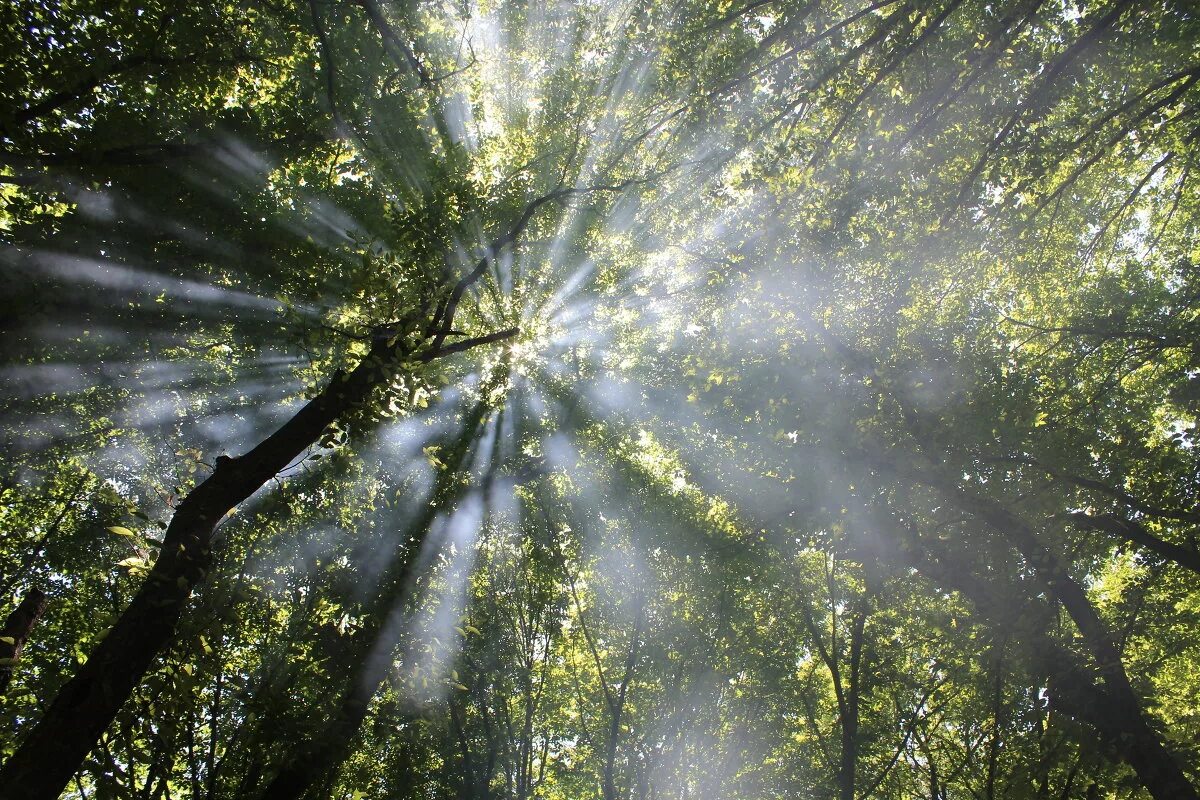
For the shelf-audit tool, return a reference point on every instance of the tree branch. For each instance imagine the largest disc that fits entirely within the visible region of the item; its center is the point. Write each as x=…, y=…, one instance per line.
x=1133, y=532
x=467, y=344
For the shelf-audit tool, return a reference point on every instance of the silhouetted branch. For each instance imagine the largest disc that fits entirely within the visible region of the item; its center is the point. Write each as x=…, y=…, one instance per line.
x=467, y=344
x=1133, y=532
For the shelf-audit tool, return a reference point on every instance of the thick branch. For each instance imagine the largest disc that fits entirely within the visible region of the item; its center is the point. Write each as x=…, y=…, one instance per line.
x=1133, y=532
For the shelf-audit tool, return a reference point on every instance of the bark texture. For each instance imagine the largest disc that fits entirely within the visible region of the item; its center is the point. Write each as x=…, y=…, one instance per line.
x=16, y=632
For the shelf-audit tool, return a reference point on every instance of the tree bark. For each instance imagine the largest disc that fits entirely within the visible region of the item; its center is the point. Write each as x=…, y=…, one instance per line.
x=1122, y=715
x=997, y=716
x=849, y=760
x=317, y=758
x=846, y=688
x=618, y=708
x=52, y=752
x=16, y=632
x=1110, y=705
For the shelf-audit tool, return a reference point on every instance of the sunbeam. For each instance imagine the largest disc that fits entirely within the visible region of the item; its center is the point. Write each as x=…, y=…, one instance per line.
x=613, y=401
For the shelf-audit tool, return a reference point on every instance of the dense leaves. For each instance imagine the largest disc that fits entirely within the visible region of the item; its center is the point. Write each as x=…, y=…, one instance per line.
x=691, y=399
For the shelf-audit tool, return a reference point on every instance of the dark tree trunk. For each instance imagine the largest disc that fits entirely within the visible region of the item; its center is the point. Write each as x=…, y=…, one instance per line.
x=618, y=707
x=997, y=715
x=458, y=724
x=1108, y=705
x=847, y=688
x=52, y=752
x=16, y=632
x=87, y=704
x=849, y=758
x=318, y=757
x=1121, y=716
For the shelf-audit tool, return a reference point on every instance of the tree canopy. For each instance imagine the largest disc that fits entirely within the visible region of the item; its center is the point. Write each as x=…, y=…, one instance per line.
x=600, y=400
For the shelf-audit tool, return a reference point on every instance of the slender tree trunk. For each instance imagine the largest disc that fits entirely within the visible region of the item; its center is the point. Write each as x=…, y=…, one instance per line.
x=935, y=784
x=849, y=759
x=997, y=711
x=16, y=632
x=485, y=781
x=52, y=752
x=464, y=746
x=210, y=759
x=846, y=688
x=618, y=709
x=1069, y=783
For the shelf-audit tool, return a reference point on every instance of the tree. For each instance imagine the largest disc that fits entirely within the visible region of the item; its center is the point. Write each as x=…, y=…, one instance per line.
x=826, y=428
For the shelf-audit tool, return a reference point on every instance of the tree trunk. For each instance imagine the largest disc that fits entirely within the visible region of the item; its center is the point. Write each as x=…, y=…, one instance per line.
x=318, y=757
x=849, y=757
x=618, y=708
x=87, y=704
x=997, y=712
x=52, y=752
x=1114, y=712
x=1113, y=707
x=16, y=632
x=846, y=687
x=1121, y=716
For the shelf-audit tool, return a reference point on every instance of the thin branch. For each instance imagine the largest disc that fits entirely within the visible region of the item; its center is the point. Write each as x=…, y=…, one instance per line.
x=396, y=47
x=467, y=344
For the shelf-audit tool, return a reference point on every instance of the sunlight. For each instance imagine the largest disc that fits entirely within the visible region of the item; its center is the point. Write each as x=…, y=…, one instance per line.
x=600, y=401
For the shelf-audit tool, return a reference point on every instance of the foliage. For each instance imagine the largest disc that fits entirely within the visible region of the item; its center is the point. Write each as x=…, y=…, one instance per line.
x=754, y=400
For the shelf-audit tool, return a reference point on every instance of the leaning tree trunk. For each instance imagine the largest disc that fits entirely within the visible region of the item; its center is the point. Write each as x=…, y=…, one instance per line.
x=1110, y=704
x=1139, y=743
x=52, y=752
x=1115, y=708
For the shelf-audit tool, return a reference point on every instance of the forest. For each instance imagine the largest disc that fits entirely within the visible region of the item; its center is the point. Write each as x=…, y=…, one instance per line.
x=610, y=399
